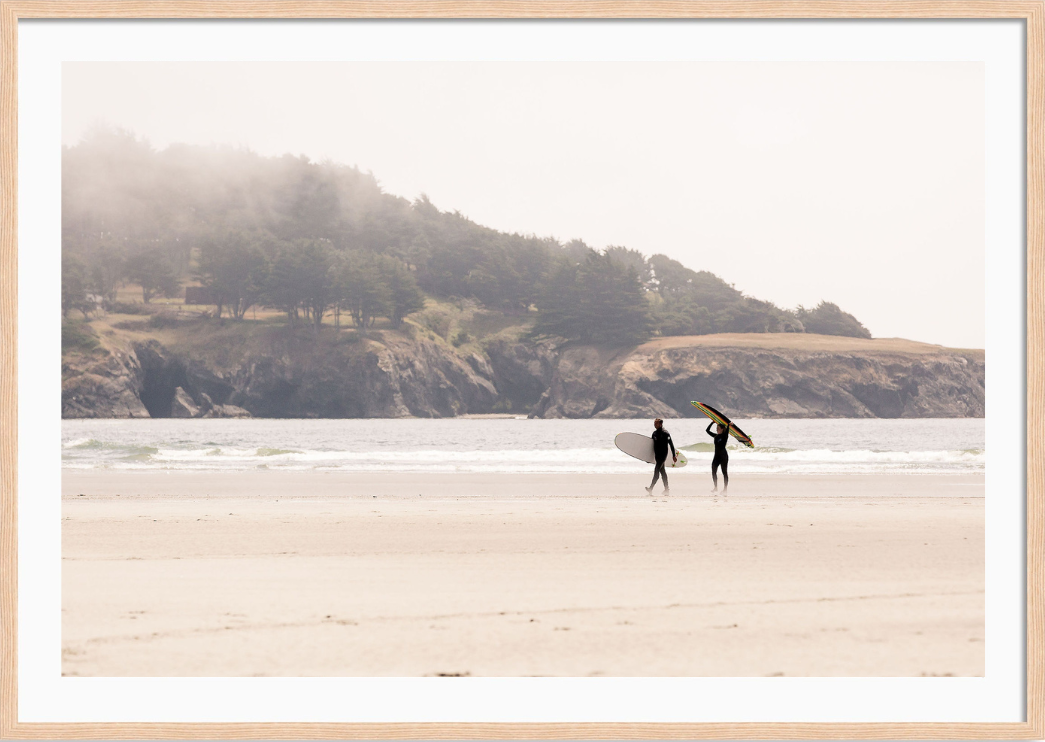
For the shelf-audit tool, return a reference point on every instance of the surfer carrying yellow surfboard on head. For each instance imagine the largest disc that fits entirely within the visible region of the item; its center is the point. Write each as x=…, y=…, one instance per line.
x=721, y=435
x=661, y=441
x=725, y=429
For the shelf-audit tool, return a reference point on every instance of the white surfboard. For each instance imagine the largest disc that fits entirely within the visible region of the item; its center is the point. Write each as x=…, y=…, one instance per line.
x=641, y=448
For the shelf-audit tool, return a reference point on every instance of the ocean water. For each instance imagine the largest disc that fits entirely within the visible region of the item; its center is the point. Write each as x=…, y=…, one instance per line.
x=517, y=445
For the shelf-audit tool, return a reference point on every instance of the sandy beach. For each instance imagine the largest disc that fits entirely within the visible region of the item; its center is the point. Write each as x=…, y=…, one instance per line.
x=326, y=574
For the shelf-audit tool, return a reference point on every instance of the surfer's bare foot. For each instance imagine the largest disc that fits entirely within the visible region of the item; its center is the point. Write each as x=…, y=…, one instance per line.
x=649, y=490
x=666, y=491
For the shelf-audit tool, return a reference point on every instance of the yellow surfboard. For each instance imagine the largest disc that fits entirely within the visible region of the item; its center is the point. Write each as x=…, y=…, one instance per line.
x=721, y=419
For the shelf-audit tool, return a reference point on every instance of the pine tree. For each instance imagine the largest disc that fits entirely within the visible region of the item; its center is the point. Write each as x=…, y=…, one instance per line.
x=151, y=269
x=598, y=301
x=404, y=297
x=361, y=288
x=234, y=268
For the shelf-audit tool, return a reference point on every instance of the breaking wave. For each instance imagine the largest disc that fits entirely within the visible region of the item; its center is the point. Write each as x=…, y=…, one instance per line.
x=513, y=446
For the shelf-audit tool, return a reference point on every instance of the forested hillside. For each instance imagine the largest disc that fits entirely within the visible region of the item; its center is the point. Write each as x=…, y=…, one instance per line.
x=322, y=242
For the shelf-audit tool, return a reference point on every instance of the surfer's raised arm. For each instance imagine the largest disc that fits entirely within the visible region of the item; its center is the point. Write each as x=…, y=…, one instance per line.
x=708, y=431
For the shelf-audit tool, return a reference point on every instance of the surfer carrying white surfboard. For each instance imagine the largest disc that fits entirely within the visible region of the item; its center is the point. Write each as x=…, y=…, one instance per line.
x=661, y=442
x=721, y=456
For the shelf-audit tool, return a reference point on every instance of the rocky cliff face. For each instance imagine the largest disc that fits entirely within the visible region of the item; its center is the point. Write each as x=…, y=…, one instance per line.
x=521, y=372
x=395, y=376
x=107, y=387
x=765, y=383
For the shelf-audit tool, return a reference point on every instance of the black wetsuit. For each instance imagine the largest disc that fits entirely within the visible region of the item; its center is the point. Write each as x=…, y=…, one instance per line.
x=661, y=442
x=721, y=457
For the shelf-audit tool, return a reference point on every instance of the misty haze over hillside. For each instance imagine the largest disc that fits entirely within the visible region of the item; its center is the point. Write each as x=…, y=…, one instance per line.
x=852, y=182
x=317, y=239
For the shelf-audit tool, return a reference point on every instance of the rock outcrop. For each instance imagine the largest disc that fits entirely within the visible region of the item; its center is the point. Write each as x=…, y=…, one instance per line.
x=753, y=383
x=100, y=384
x=391, y=375
x=521, y=372
x=183, y=405
x=164, y=372
x=387, y=377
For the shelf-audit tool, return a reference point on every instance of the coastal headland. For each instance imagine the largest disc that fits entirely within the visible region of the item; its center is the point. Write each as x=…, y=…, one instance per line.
x=184, y=366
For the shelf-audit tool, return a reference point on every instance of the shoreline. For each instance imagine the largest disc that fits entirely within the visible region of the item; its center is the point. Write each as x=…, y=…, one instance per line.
x=318, y=484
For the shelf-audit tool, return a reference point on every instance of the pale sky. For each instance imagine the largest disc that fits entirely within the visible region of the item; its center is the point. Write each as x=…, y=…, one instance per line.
x=857, y=183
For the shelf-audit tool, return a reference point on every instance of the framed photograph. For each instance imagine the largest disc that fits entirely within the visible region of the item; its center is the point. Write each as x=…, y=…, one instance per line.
x=506, y=369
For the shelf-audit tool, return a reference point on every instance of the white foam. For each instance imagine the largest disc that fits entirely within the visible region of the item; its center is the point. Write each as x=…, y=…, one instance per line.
x=76, y=442
x=510, y=447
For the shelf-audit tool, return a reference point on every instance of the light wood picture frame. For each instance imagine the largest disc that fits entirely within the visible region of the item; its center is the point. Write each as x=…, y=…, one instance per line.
x=1030, y=12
